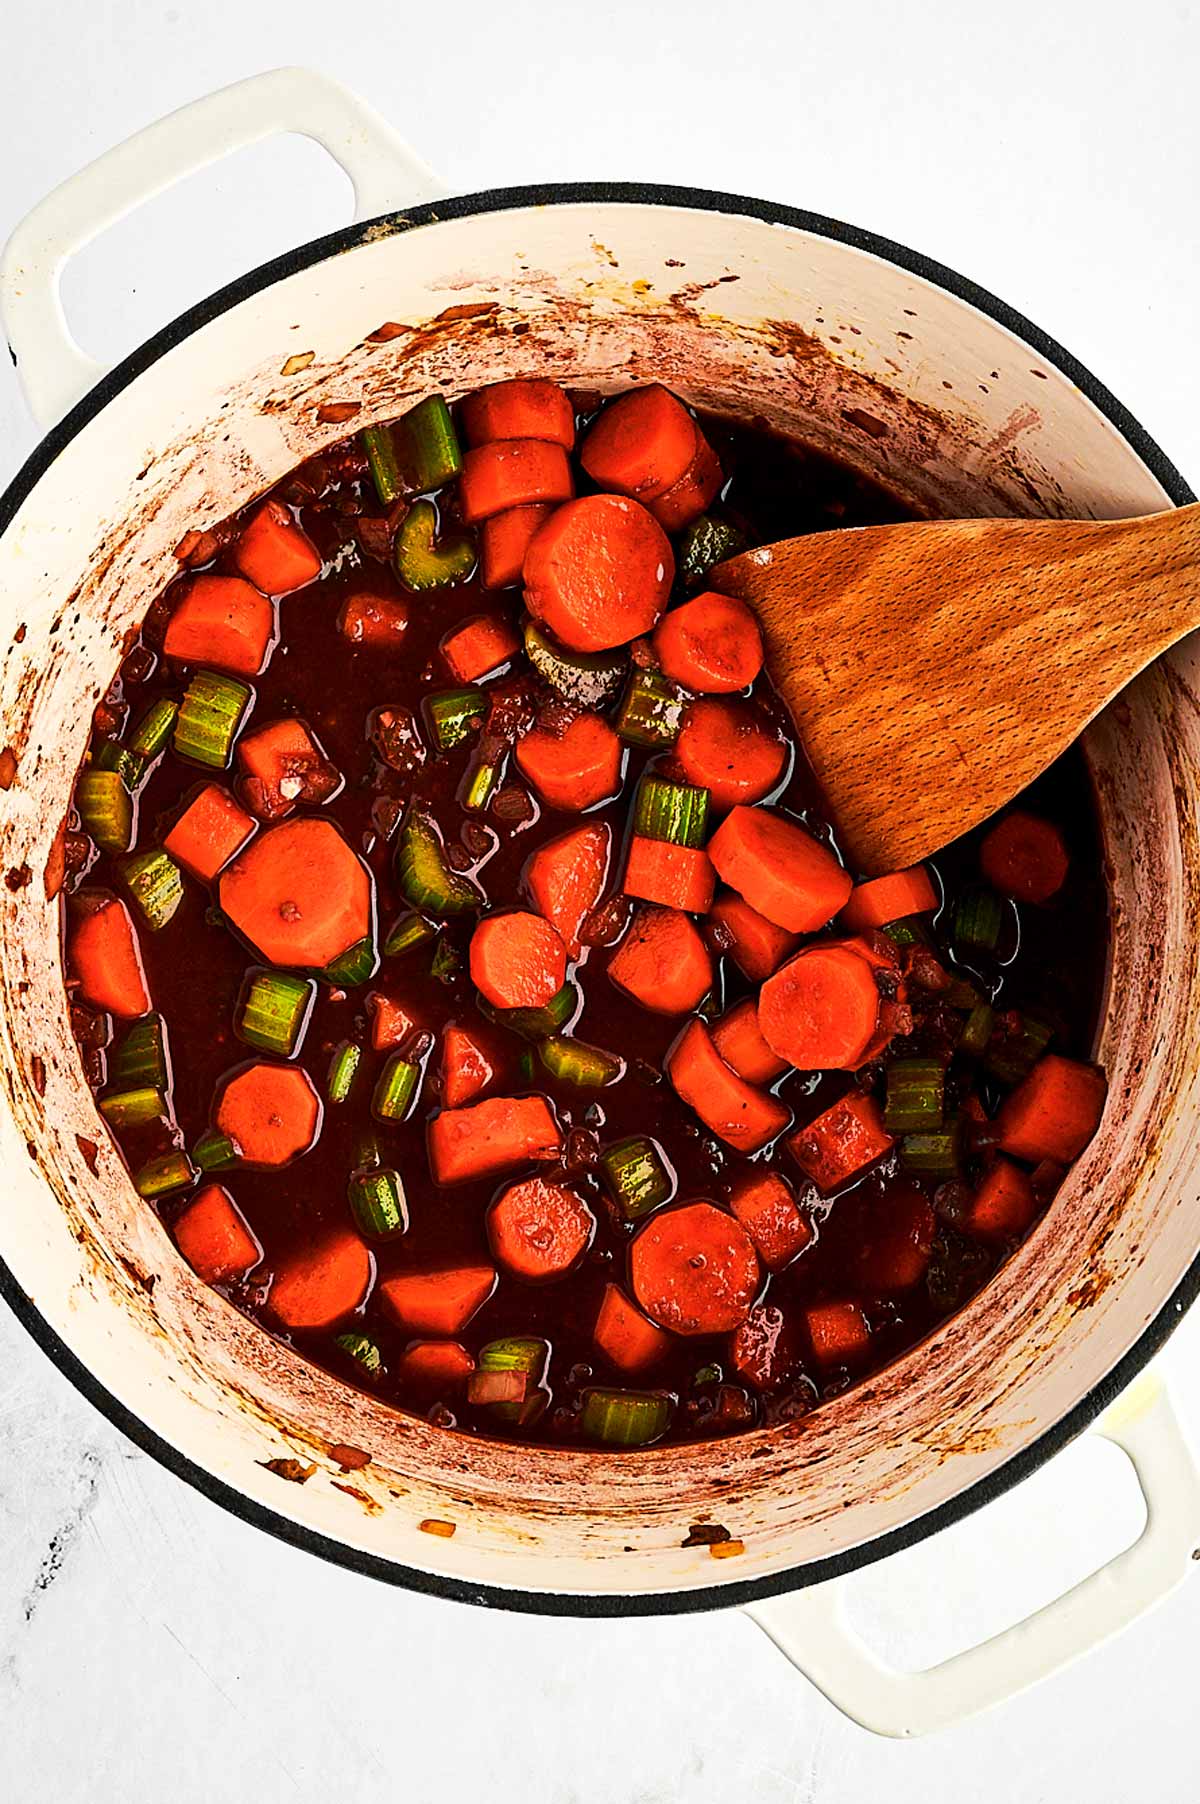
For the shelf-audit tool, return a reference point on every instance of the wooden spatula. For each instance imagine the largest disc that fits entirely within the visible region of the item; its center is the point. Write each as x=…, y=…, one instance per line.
x=933, y=669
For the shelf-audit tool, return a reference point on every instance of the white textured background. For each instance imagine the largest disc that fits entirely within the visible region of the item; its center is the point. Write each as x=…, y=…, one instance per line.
x=151, y=1645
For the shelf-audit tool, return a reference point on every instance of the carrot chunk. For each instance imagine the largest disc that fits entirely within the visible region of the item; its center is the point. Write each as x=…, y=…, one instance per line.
x=1025, y=858
x=837, y=1333
x=675, y=876
x=102, y=951
x=274, y=554
x=438, y=1302
x=379, y=621
x=842, y=1142
x=215, y=1238
x=479, y=645
x=642, y=444
x=599, y=572
x=435, y=1367
x=744, y=1117
x=211, y=830
x=391, y=1023
x=283, y=765
x=224, y=622
x=694, y=1270
x=765, y=1350
x=756, y=945
x=624, y=1336
x=767, y=1209
x=711, y=644
x=1004, y=1203
x=662, y=962
x=894, y=1255
x=883, y=900
x=466, y=1067
x=576, y=768
x=781, y=870
x=270, y=1112
x=1053, y=1113
x=687, y=499
x=322, y=1283
x=566, y=876
x=512, y=472
x=504, y=540
x=522, y=407
x=729, y=749
x=491, y=1137
x=739, y=1041
x=820, y=1011
x=538, y=1230
x=298, y=894
x=518, y=960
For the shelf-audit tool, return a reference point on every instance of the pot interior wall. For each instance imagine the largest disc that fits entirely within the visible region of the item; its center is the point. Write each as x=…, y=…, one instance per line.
x=897, y=377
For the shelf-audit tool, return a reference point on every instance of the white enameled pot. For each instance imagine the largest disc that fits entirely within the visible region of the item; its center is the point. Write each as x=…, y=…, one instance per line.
x=905, y=371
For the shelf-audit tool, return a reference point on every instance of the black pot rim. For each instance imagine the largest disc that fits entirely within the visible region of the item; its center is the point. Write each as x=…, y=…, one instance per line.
x=1020, y=1465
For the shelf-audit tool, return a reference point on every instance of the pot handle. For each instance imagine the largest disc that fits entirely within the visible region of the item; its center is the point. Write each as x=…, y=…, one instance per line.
x=810, y=1626
x=53, y=371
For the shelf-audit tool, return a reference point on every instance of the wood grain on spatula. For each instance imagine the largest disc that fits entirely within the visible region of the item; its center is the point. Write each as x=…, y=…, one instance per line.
x=934, y=669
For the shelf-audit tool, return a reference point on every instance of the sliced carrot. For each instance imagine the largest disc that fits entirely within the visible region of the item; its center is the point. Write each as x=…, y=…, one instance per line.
x=211, y=830
x=512, y=472
x=270, y=1112
x=1003, y=1205
x=767, y=1209
x=739, y=1041
x=675, y=876
x=842, y=1142
x=687, y=499
x=215, y=1238
x=274, y=554
x=319, y=1285
x=102, y=951
x=1025, y=857
x=765, y=1350
x=837, y=1333
x=298, y=894
x=711, y=644
x=518, y=960
x=479, y=645
x=504, y=540
x=599, y=572
x=435, y=1367
x=1053, y=1113
x=883, y=900
x=491, y=1137
x=662, y=962
x=466, y=1067
x=391, y=1023
x=756, y=945
x=522, y=407
x=438, y=1302
x=222, y=621
x=565, y=878
x=283, y=765
x=694, y=1270
x=895, y=1250
x=642, y=444
x=821, y=1010
x=576, y=768
x=623, y=1334
x=744, y=1117
x=379, y=621
x=538, y=1230
x=728, y=748
x=781, y=870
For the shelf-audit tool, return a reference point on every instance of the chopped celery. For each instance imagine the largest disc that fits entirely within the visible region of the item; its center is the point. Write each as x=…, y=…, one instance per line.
x=343, y=1069
x=411, y=929
x=651, y=710
x=106, y=809
x=587, y=680
x=977, y=1030
x=911, y=931
x=423, y=872
x=572, y=1062
x=111, y=755
x=357, y=964
x=210, y=714
x=960, y=992
x=378, y=1204
x=141, y=1057
x=158, y=1177
x=415, y=454
x=978, y=918
x=934, y=1155
x=133, y=1108
x=149, y=737
x=637, y=1176
x=915, y=1096
x=702, y=544
x=516, y=1358
x=1013, y=1051
x=455, y=716
x=362, y=1350
x=214, y=1151
x=480, y=786
x=275, y=1011
x=446, y=962
x=383, y=462
x=624, y=1418
x=155, y=884
x=423, y=560
x=538, y=1023
x=677, y=812
x=396, y=1090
